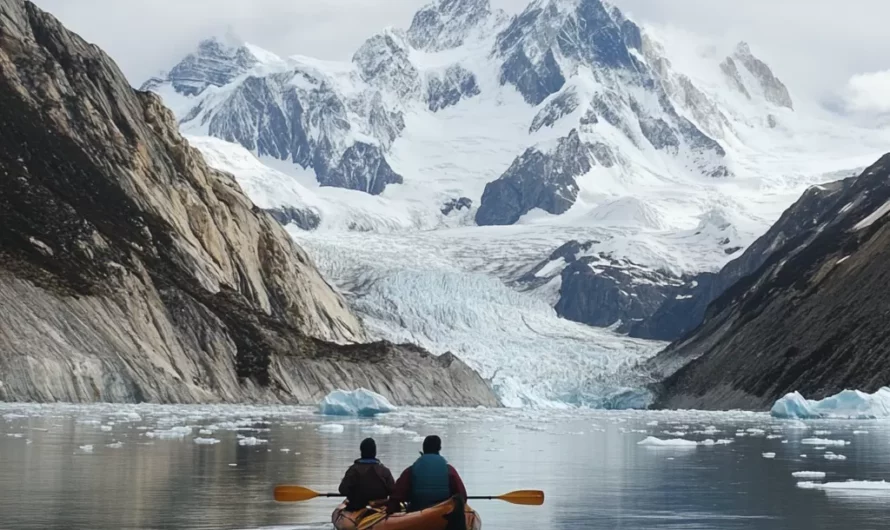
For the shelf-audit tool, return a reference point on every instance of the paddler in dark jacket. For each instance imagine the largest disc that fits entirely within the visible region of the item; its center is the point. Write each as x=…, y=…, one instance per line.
x=429, y=481
x=367, y=479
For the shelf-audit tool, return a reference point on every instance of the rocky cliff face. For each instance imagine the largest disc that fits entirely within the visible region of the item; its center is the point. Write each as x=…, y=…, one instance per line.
x=811, y=318
x=131, y=271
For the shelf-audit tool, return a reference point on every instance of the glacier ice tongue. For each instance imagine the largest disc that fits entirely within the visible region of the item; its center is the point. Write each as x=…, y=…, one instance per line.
x=849, y=404
x=361, y=402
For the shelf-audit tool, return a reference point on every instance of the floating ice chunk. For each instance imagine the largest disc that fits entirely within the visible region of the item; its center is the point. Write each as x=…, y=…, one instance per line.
x=710, y=430
x=387, y=429
x=250, y=440
x=86, y=448
x=652, y=441
x=823, y=441
x=803, y=456
x=284, y=450
x=205, y=432
x=847, y=404
x=652, y=424
x=361, y=402
x=769, y=455
x=115, y=445
x=206, y=441
x=821, y=433
x=718, y=442
x=755, y=432
x=860, y=432
x=170, y=434
x=831, y=456
x=233, y=465
x=808, y=474
x=773, y=436
x=880, y=485
x=674, y=433
x=331, y=428
x=14, y=435
x=105, y=428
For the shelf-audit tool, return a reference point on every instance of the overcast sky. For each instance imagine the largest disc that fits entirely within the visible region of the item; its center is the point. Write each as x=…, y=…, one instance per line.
x=818, y=47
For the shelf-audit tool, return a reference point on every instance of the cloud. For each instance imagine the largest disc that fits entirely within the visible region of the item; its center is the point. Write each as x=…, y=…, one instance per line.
x=869, y=92
x=814, y=46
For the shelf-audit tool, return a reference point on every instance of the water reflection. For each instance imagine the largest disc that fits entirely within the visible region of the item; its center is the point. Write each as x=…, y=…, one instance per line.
x=590, y=466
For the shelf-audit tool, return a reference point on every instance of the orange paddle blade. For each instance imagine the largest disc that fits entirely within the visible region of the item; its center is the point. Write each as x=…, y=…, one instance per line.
x=525, y=497
x=294, y=494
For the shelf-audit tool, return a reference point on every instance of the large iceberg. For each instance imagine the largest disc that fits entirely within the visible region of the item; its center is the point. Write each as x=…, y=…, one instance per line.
x=849, y=404
x=361, y=402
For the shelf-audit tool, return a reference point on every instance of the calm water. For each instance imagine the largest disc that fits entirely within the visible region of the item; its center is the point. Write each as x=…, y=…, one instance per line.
x=144, y=472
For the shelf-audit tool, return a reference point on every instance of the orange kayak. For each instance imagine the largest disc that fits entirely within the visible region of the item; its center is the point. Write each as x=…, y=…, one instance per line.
x=432, y=518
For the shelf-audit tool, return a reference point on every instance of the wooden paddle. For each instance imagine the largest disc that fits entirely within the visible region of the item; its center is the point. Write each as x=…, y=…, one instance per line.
x=288, y=493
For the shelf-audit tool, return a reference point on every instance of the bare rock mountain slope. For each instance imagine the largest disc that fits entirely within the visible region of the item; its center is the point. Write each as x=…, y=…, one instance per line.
x=132, y=271
x=811, y=318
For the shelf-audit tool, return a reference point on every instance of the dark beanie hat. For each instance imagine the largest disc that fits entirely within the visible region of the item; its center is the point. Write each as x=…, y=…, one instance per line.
x=368, y=448
x=432, y=445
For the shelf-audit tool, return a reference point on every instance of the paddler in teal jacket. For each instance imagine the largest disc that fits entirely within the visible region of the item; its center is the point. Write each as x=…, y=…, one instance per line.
x=429, y=481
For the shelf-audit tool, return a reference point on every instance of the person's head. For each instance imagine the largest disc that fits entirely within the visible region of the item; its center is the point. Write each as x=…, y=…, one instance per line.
x=368, y=448
x=432, y=445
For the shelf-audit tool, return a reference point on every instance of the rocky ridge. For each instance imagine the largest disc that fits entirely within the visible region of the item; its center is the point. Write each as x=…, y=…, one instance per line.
x=131, y=271
x=811, y=318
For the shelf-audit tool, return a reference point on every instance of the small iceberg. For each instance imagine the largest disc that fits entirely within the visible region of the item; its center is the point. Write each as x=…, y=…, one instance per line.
x=808, y=474
x=870, y=485
x=849, y=404
x=769, y=456
x=206, y=441
x=361, y=402
x=331, y=428
x=823, y=442
x=652, y=441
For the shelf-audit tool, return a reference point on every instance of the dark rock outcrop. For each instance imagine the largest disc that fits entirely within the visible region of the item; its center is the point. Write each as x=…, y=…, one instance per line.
x=304, y=218
x=131, y=271
x=456, y=205
x=537, y=180
x=447, y=89
x=811, y=318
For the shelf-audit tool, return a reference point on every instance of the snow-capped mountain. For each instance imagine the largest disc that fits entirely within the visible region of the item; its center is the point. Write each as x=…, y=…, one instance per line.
x=499, y=139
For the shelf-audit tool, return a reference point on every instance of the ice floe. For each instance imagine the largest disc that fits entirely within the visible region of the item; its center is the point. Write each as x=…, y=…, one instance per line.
x=808, y=474
x=823, y=442
x=879, y=485
x=206, y=441
x=331, y=428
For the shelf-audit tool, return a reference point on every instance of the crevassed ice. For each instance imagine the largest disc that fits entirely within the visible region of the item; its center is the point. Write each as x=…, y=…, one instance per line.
x=407, y=292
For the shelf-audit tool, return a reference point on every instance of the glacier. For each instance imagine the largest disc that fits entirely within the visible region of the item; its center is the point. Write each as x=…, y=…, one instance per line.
x=661, y=149
x=361, y=402
x=849, y=404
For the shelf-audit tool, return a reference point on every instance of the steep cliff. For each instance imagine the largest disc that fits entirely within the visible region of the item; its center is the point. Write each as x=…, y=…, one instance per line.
x=131, y=271
x=812, y=318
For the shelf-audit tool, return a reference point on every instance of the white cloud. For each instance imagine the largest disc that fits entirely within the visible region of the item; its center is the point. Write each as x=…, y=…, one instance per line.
x=814, y=46
x=869, y=92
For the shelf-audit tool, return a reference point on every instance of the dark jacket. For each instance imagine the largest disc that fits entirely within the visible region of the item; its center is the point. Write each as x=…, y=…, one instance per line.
x=421, y=484
x=366, y=481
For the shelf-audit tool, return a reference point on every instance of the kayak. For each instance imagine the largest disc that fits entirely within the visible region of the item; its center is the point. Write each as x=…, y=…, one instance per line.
x=432, y=518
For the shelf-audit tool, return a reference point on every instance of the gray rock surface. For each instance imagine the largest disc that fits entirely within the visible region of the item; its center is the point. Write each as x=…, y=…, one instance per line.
x=214, y=63
x=131, y=271
x=450, y=87
x=812, y=318
x=445, y=24
x=537, y=180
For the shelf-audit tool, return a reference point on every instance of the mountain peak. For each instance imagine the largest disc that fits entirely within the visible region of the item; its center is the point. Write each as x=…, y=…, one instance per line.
x=216, y=61
x=773, y=89
x=446, y=24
